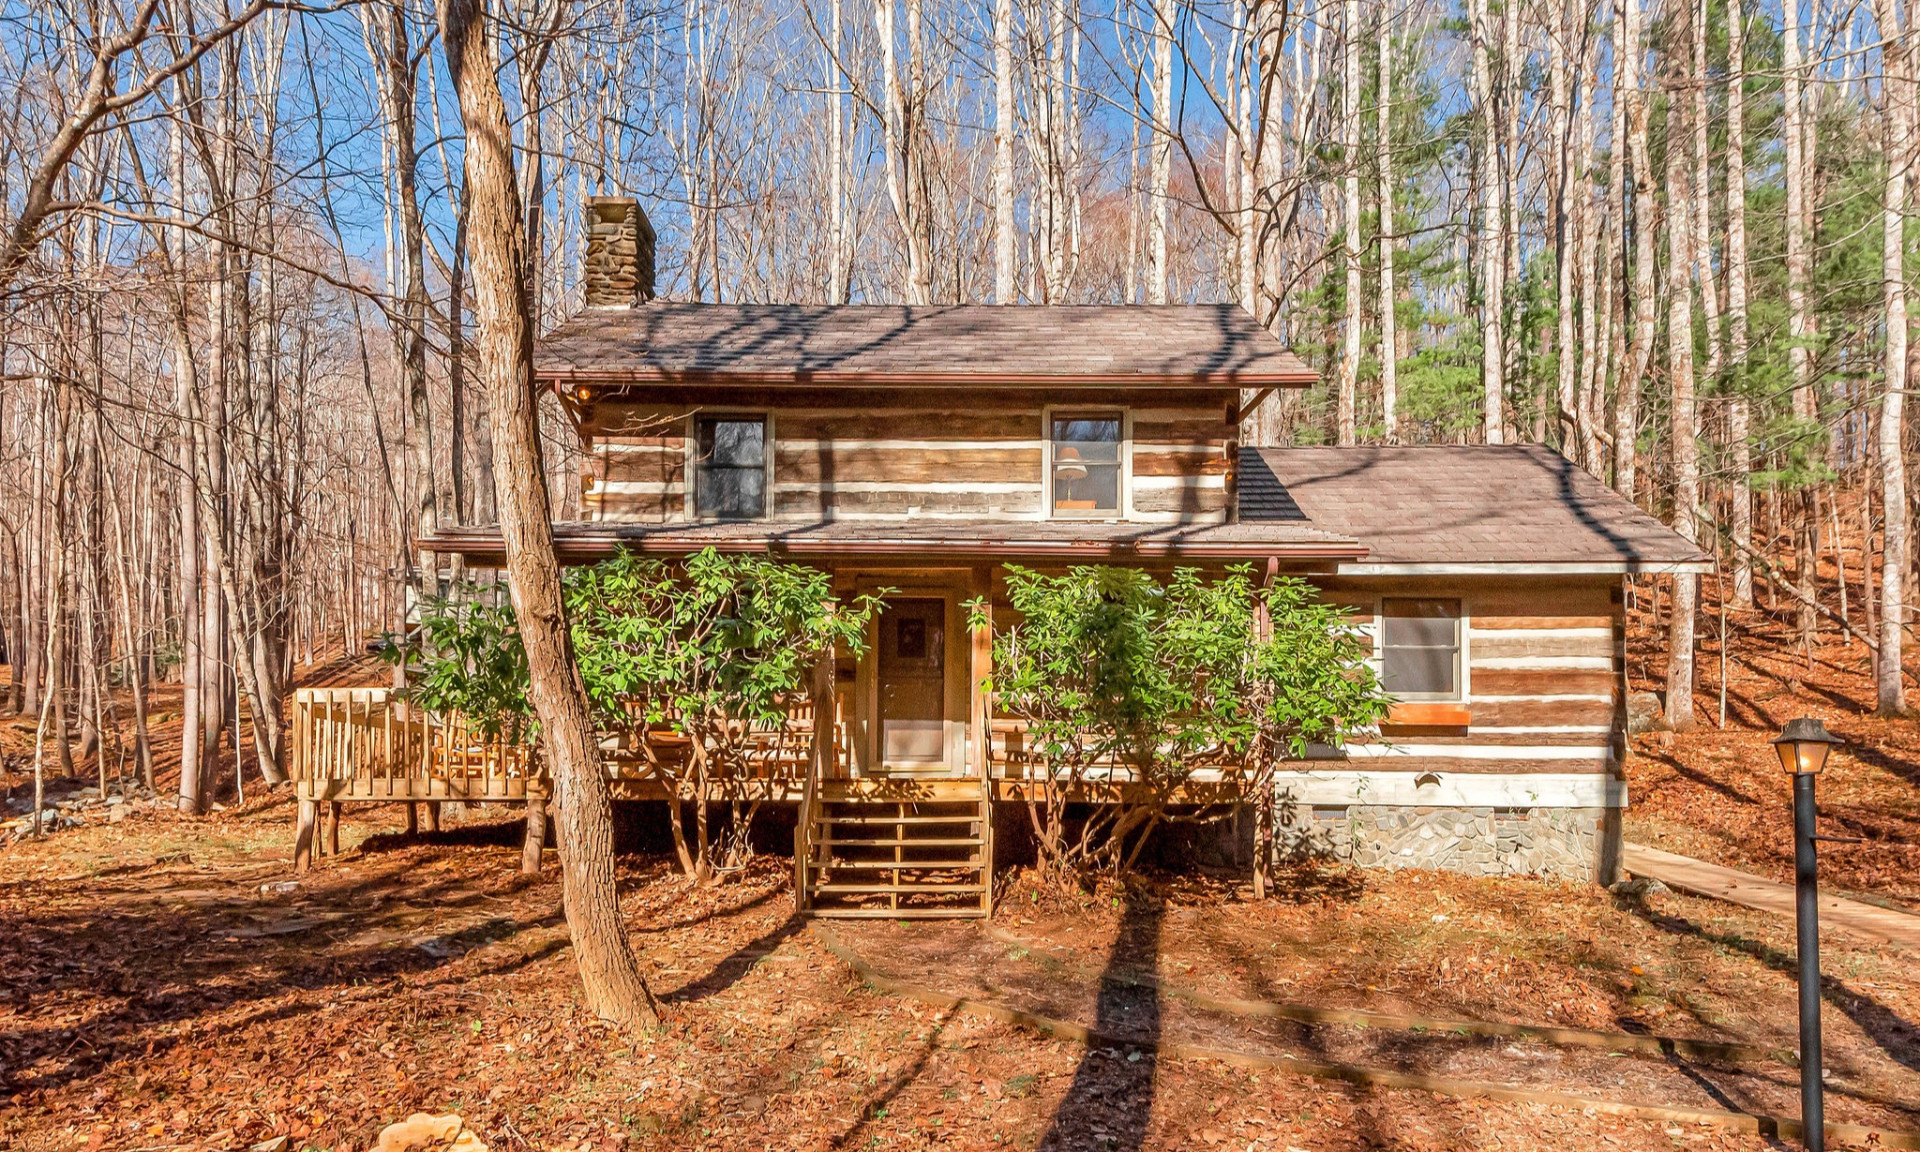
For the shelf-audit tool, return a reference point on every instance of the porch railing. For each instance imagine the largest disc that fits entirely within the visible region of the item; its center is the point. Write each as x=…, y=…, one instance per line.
x=363, y=743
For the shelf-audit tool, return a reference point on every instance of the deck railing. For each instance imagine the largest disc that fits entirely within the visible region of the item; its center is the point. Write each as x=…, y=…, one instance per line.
x=365, y=744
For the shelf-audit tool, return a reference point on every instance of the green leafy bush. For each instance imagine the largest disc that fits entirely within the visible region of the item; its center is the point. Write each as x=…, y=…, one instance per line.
x=1134, y=686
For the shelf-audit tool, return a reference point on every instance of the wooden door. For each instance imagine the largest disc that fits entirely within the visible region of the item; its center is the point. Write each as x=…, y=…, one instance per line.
x=913, y=683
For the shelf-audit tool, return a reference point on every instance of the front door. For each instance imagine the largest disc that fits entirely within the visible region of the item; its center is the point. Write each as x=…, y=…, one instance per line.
x=913, y=683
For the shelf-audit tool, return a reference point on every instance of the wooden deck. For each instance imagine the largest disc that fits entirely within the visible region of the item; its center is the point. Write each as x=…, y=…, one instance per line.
x=896, y=846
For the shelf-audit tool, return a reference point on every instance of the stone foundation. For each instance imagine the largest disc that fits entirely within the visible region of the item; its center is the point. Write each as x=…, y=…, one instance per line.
x=1559, y=843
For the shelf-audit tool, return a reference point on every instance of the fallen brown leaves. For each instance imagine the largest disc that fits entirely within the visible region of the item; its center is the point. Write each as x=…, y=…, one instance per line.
x=154, y=996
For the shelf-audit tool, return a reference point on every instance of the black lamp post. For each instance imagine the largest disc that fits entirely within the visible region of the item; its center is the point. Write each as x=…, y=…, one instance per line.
x=1802, y=747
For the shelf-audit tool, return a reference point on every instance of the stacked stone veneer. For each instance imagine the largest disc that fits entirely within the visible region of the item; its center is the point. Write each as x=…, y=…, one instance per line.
x=618, y=272
x=1558, y=843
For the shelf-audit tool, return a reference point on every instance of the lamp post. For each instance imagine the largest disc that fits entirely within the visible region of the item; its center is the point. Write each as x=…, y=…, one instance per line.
x=1802, y=747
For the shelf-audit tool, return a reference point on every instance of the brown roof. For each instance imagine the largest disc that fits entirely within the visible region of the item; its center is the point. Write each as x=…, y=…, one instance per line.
x=1013, y=539
x=1199, y=345
x=1522, y=504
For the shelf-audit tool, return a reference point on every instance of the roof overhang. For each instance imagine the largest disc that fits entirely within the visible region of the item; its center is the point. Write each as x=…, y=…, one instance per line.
x=568, y=377
x=484, y=547
x=1544, y=568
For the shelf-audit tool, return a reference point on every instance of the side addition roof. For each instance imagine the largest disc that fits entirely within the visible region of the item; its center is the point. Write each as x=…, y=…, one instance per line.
x=1460, y=509
x=966, y=345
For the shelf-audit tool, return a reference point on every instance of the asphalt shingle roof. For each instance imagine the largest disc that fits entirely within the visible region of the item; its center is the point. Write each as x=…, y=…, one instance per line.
x=1196, y=345
x=1518, y=504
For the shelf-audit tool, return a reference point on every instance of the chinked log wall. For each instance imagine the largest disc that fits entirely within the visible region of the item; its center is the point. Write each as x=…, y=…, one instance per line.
x=1544, y=665
x=923, y=460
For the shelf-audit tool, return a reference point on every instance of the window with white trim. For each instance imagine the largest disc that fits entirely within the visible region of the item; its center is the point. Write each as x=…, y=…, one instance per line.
x=1086, y=455
x=1420, y=648
x=730, y=467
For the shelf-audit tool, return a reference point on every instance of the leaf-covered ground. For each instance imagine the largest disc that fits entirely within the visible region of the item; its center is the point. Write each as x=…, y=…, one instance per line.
x=1719, y=794
x=158, y=991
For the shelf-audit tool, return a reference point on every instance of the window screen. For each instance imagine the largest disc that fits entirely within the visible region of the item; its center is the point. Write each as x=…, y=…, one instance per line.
x=1420, y=648
x=1086, y=464
x=730, y=470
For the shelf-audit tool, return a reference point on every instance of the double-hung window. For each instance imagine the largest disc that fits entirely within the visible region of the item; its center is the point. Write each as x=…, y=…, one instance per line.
x=1086, y=464
x=1420, y=648
x=730, y=467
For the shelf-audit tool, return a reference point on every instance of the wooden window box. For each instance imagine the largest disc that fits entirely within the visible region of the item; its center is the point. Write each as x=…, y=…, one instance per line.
x=1426, y=717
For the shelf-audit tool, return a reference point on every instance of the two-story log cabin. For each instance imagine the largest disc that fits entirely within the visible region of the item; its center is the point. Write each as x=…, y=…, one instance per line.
x=924, y=448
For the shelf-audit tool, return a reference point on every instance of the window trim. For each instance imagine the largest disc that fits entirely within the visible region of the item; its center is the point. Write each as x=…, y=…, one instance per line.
x=1463, y=629
x=1053, y=412
x=694, y=513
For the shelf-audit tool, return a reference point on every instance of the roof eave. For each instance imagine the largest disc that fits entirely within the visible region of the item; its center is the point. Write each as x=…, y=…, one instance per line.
x=1637, y=567
x=570, y=377
x=578, y=547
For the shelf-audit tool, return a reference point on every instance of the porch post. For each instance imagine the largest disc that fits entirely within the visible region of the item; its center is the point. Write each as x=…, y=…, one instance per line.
x=536, y=842
x=979, y=721
x=309, y=815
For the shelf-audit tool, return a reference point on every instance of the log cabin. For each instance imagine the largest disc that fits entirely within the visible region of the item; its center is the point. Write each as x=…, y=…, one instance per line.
x=923, y=449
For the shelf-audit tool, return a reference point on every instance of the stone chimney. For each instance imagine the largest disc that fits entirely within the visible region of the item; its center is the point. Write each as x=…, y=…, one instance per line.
x=620, y=240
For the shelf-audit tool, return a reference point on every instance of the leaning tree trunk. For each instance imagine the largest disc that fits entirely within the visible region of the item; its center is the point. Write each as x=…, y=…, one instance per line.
x=504, y=339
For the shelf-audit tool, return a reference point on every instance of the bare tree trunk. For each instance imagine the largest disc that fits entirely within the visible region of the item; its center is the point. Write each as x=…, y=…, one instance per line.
x=1160, y=167
x=1739, y=431
x=1799, y=322
x=1002, y=152
x=1645, y=207
x=1896, y=121
x=1683, y=447
x=1491, y=248
x=1389, y=326
x=609, y=972
x=1350, y=147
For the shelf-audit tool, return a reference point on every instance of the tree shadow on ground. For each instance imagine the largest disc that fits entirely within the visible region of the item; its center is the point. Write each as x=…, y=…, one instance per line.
x=736, y=964
x=1890, y=1032
x=1110, y=1102
x=1669, y=760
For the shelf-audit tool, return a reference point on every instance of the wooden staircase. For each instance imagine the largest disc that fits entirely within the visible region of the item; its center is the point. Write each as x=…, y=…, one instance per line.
x=895, y=849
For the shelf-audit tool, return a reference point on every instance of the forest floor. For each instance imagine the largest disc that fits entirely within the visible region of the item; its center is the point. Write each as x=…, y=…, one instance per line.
x=162, y=988
x=1718, y=793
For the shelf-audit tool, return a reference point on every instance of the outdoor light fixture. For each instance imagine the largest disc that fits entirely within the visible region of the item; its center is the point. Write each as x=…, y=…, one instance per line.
x=1802, y=747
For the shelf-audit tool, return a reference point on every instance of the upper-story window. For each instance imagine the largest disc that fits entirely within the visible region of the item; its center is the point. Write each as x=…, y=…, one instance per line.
x=1420, y=648
x=730, y=467
x=1086, y=463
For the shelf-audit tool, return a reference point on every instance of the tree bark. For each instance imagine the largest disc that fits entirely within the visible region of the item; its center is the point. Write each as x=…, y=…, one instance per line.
x=1890, y=690
x=1389, y=326
x=1490, y=250
x=1002, y=152
x=1350, y=254
x=609, y=973
x=1684, y=448
x=1739, y=420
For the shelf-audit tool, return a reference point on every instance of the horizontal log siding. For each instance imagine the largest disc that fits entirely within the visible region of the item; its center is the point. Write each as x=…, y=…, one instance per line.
x=637, y=479
x=1543, y=678
x=907, y=460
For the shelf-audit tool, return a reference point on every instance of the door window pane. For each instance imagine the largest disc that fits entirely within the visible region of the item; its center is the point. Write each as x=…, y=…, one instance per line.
x=730, y=470
x=1420, y=647
x=1086, y=464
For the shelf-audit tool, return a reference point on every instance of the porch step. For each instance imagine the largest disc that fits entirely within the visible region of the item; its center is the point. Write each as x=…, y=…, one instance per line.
x=895, y=865
x=895, y=856
x=930, y=842
x=902, y=888
x=880, y=818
